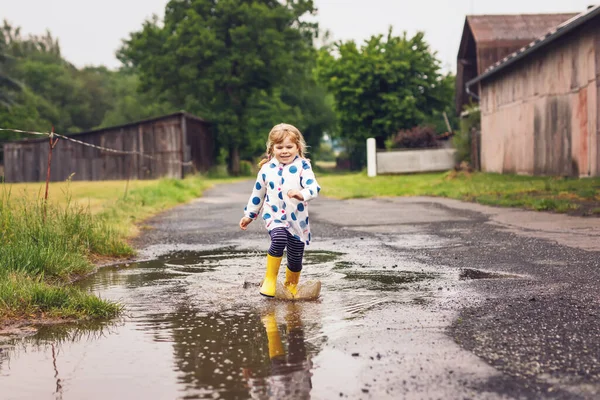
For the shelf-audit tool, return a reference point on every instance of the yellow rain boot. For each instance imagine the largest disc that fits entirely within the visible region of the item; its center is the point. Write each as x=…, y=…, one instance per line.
x=291, y=281
x=273, y=337
x=270, y=282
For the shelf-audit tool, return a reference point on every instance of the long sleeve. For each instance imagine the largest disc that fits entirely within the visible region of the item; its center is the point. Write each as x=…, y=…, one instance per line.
x=308, y=181
x=257, y=198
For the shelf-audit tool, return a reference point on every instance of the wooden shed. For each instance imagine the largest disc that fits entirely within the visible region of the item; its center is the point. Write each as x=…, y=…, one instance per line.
x=168, y=146
x=540, y=106
x=489, y=38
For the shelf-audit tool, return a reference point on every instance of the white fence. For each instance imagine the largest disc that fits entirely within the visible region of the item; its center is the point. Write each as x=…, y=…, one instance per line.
x=408, y=161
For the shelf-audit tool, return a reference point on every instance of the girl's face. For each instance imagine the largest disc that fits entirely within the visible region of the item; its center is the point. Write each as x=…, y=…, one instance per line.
x=286, y=151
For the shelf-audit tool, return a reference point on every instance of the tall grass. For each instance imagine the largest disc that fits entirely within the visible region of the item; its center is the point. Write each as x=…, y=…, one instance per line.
x=52, y=241
x=23, y=296
x=44, y=247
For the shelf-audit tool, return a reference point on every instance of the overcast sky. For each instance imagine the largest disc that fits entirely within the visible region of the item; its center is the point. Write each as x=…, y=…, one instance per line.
x=90, y=32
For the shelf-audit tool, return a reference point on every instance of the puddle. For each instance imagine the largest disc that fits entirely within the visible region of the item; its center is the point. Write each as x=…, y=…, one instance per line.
x=195, y=327
x=392, y=278
x=472, y=273
x=342, y=265
x=419, y=241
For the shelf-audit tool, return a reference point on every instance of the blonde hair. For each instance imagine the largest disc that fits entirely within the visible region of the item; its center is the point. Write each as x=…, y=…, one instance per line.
x=278, y=135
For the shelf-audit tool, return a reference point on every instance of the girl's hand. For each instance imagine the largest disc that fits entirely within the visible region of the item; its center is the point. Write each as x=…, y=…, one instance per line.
x=294, y=194
x=244, y=222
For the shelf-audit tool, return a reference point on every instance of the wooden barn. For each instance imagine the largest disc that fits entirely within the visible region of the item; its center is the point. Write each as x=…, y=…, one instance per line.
x=489, y=38
x=168, y=146
x=540, y=106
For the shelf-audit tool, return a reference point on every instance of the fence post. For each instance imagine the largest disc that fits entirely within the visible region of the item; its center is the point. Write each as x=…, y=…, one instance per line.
x=371, y=157
x=53, y=143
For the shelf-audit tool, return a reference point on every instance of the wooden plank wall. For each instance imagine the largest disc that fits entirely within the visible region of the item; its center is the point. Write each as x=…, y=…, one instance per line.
x=160, y=138
x=540, y=116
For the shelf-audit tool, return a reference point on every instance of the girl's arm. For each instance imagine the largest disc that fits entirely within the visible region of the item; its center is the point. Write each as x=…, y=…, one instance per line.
x=257, y=197
x=308, y=182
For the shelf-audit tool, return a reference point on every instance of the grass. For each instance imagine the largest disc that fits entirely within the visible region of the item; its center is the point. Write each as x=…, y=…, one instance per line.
x=43, y=248
x=563, y=195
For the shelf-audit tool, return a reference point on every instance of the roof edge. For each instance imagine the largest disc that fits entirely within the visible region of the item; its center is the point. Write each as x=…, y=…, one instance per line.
x=542, y=41
x=143, y=121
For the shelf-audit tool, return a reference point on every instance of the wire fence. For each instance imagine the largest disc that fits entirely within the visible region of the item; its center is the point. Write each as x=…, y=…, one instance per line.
x=53, y=139
x=53, y=136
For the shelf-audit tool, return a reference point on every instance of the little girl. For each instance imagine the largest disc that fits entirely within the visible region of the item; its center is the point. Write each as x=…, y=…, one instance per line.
x=284, y=186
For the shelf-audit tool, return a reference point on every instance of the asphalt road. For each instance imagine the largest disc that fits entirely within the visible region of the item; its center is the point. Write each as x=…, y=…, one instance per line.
x=512, y=313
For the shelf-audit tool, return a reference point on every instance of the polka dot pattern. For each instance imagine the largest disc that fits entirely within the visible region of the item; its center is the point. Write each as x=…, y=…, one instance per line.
x=275, y=179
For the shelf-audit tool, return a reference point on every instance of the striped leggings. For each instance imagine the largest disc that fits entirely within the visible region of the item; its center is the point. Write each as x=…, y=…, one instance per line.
x=280, y=238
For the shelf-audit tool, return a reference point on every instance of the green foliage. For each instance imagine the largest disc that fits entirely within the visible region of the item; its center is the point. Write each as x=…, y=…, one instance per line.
x=55, y=246
x=246, y=168
x=56, y=94
x=388, y=84
x=242, y=64
x=325, y=152
x=8, y=85
x=418, y=137
x=128, y=104
x=462, y=138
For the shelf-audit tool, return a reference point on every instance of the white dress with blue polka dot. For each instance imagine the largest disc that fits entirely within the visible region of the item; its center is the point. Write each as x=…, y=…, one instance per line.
x=273, y=182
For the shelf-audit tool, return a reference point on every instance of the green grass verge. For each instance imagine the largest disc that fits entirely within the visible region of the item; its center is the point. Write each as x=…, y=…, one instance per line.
x=25, y=297
x=564, y=195
x=43, y=248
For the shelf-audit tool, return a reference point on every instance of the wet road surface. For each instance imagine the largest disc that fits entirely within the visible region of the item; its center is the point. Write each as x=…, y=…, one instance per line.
x=419, y=300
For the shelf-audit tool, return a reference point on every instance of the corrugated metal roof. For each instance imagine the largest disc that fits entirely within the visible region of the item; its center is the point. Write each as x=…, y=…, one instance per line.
x=558, y=31
x=519, y=27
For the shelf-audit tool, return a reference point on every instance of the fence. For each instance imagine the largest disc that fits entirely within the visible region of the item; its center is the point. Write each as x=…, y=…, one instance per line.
x=408, y=161
x=168, y=146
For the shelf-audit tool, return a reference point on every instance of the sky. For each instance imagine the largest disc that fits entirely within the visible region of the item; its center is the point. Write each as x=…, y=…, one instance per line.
x=89, y=32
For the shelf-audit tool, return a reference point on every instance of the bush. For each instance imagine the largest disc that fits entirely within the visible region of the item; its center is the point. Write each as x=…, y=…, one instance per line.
x=462, y=139
x=246, y=168
x=419, y=137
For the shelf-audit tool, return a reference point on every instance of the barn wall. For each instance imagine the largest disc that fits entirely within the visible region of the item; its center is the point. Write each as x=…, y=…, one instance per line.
x=540, y=116
x=161, y=138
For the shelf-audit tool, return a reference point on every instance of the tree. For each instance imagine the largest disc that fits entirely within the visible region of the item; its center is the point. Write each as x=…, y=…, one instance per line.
x=8, y=85
x=222, y=58
x=127, y=104
x=388, y=84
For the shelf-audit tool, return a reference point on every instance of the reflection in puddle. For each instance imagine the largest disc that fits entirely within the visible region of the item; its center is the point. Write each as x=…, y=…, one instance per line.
x=192, y=330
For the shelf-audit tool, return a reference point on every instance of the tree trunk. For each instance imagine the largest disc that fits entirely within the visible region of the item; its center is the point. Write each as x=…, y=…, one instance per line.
x=234, y=160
